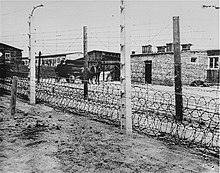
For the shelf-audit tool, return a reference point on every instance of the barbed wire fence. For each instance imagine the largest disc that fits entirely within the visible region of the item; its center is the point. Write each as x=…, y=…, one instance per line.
x=153, y=108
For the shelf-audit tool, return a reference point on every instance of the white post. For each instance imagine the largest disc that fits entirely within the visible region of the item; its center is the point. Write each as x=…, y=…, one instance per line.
x=126, y=112
x=32, y=56
x=32, y=59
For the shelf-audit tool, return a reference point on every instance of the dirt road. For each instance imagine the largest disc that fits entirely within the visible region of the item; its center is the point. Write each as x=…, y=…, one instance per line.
x=39, y=139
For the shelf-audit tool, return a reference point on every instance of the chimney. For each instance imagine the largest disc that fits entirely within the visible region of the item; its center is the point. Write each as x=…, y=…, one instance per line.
x=161, y=49
x=169, y=47
x=186, y=47
x=133, y=52
x=147, y=49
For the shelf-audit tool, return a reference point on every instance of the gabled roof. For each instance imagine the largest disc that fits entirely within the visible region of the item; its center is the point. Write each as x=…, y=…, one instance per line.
x=10, y=46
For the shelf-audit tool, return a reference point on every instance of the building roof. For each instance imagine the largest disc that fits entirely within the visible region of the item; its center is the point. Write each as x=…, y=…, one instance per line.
x=147, y=45
x=3, y=44
x=213, y=52
x=55, y=55
x=150, y=54
x=103, y=51
x=190, y=44
x=159, y=53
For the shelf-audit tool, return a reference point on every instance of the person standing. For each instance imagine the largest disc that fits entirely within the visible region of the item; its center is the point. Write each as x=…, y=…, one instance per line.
x=98, y=72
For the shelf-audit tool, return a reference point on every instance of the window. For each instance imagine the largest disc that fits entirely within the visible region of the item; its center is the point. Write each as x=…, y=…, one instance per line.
x=193, y=59
x=58, y=60
x=213, y=62
x=7, y=56
x=13, y=53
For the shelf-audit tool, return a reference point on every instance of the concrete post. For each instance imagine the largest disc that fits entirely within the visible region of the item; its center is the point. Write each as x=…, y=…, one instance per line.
x=126, y=113
x=32, y=59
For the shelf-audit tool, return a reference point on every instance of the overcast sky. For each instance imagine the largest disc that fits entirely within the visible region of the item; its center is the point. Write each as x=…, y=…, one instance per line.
x=59, y=24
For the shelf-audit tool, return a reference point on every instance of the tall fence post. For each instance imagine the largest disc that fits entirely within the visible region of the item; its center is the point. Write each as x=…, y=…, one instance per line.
x=85, y=62
x=177, y=69
x=39, y=61
x=13, y=95
x=32, y=60
x=103, y=67
x=126, y=113
x=32, y=55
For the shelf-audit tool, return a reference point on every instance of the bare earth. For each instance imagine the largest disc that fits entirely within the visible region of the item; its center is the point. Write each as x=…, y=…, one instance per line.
x=39, y=139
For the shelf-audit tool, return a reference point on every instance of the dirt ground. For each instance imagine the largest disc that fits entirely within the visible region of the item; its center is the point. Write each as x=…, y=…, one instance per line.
x=39, y=139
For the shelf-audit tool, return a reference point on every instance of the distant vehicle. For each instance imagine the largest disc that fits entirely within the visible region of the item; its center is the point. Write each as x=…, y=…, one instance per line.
x=70, y=70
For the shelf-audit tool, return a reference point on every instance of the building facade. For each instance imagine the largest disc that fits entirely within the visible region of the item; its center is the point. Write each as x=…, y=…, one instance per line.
x=213, y=74
x=9, y=54
x=52, y=60
x=158, y=67
x=108, y=59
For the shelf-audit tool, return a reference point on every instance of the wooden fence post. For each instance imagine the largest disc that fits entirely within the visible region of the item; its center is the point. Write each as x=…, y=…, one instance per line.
x=13, y=95
x=39, y=62
x=177, y=69
x=85, y=62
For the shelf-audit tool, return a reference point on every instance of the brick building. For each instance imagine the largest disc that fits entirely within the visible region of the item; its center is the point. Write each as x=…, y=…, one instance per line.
x=158, y=67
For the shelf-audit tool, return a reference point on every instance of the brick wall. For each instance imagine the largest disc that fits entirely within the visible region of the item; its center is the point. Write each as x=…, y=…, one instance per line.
x=163, y=67
x=194, y=71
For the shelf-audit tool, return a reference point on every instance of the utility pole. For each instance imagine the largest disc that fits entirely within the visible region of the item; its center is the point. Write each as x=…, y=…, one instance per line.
x=177, y=69
x=85, y=62
x=126, y=113
x=32, y=56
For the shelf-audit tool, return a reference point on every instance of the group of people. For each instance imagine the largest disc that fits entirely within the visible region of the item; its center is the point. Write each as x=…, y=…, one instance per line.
x=94, y=73
x=61, y=71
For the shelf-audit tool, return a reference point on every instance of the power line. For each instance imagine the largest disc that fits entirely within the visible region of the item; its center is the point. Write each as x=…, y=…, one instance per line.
x=79, y=37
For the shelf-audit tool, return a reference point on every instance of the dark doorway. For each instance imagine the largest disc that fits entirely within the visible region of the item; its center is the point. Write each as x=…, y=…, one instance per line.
x=148, y=71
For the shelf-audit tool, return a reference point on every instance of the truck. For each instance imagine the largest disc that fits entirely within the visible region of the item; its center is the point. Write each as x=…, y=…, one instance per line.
x=70, y=70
